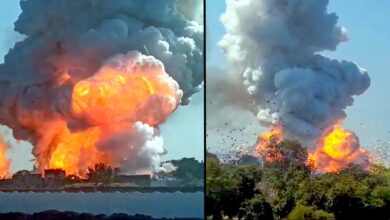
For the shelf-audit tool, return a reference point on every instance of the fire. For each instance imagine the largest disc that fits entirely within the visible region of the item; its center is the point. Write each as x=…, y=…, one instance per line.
x=4, y=161
x=72, y=147
x=105, y=105
x=267, y=144
x=333, y=151
x=116, y=95
x=336, y=150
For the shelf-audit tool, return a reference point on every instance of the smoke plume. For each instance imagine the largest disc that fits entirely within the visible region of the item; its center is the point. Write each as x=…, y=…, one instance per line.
x=93, y=79
x=277, y=45
x=166, y=167
x=224, y=92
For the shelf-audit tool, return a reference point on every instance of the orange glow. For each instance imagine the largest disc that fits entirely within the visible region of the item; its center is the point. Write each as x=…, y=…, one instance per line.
x=69, y=151
x=336, y=144
x=4, y=161
x=114, y=95
x=267, y=143
x=109, y=102
x=335, y=151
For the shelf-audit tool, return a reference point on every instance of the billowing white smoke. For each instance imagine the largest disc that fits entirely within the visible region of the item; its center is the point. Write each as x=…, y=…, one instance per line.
x=276, y=45
x=71, y=41
x=166, y=167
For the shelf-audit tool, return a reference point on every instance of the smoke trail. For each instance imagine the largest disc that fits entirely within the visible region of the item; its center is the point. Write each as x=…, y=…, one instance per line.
x=277, y=45
x=90, y=82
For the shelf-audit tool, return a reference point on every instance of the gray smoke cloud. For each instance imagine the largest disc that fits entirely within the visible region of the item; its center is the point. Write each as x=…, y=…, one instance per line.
x=224, y=91
x=68, y=41
x=192, y=9
x=277, y=46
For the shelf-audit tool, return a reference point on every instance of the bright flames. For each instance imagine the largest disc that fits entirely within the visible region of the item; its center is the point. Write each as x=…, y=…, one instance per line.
x=114, y=95
x=71, y=147
x=268, y=142
x=336, y=150
x=107, y=104
x=4, y=161
x=332, y=152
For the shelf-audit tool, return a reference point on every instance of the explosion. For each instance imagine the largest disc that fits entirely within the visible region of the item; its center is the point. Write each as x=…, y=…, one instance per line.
x=268, y=143
x=112, y=101
x=4, y=161
x=294, y=88
x=336, y=150
x=93, y=80
x=332, y=151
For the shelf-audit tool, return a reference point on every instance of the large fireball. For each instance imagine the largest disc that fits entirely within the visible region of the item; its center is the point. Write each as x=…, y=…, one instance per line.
x=332, y=151
x=336, y=150
x=128, y=89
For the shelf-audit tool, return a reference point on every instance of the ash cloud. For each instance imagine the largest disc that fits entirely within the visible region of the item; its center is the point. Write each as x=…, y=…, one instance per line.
x=224, y=90
x=276, y=46
x=230, y=122
x=192, y=9
x=68, y=41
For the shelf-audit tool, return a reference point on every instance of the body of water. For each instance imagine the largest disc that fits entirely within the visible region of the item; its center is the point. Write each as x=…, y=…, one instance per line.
x=157, y=204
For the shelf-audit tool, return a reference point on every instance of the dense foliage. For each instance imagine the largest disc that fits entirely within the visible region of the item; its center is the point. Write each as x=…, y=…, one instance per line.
x=189, y=171
x=288, y=189
x=101, y=173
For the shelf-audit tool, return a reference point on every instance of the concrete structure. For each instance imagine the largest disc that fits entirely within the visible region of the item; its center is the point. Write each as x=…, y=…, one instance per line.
x=54, y=177
x=26, y=180
x=139, y=180
x=165, y=182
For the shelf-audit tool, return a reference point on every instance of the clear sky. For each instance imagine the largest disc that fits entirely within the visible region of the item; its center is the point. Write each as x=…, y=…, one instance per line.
x=183, y=132
x=368, y=25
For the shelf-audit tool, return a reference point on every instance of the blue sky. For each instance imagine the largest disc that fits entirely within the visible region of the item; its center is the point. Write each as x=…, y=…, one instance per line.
x=368, y=25
x=183, y=132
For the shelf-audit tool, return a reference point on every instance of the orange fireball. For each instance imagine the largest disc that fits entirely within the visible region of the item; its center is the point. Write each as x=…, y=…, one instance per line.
x=115, y=96
x=267, y=145
x=336, y=150
x=132, y=88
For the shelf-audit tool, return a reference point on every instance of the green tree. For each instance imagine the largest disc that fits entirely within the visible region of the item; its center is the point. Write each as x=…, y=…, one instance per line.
x=301, y=212
x=189, y=171
x=294, y=191
x=281, y=178
x=101, y=173
x=221, y=193
x=227, y=187
x=255, y=209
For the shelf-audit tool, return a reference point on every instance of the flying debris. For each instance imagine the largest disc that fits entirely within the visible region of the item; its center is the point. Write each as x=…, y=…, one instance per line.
x=293, y=86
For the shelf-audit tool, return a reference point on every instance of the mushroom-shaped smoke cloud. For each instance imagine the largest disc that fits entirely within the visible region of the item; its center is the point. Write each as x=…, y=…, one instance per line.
x=93, y=79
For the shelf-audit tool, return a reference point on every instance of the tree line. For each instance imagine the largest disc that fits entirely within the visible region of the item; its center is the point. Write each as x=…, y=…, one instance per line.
x=288, y=189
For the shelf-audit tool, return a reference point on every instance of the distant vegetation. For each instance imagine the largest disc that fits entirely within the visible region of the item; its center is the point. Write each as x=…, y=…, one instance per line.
x=101, y=173
x=288, y=189
x=53, y=214
x=189, y=171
